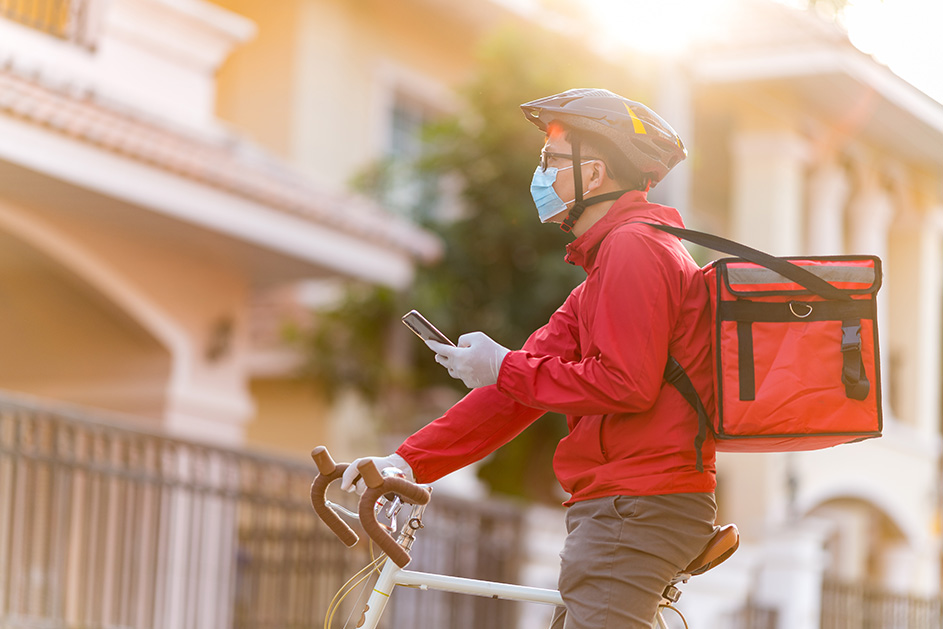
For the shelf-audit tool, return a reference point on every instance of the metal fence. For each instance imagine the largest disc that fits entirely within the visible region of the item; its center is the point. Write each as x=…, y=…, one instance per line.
x=752, y=617
x=857, y=606
x=71, y=20
x=102, y=526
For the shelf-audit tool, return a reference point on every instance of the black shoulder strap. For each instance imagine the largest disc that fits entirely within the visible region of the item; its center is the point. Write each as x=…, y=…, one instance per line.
x=787, y=269
x=675, y=375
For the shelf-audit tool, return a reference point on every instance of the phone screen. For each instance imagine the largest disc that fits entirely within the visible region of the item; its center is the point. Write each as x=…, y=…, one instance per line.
x=423, y=329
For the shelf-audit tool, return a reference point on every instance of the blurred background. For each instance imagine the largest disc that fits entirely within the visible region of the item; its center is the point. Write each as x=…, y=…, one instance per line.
x=214, y=213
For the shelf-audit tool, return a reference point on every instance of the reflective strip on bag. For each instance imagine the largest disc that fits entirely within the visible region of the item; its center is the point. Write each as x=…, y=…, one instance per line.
x=746, y=277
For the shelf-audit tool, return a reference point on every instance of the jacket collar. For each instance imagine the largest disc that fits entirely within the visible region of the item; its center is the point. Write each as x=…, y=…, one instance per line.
x=632, y=206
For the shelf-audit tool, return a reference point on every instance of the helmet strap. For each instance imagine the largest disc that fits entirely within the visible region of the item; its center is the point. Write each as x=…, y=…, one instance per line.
x=581, y=204
x=577, y=170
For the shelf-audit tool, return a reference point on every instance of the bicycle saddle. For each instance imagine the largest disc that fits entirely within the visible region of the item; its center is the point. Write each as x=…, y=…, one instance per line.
x=725, y=542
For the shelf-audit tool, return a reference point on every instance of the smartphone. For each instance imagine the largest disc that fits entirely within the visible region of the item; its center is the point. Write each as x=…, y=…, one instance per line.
x=423, y=329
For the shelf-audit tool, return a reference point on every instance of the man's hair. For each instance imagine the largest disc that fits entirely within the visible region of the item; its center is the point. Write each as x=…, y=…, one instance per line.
x=618, y=166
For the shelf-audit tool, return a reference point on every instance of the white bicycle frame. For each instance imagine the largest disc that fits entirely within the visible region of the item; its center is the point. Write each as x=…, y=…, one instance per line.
x=391, y=575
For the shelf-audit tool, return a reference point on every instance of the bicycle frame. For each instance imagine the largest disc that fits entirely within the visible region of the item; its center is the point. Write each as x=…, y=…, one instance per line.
x=392, y=575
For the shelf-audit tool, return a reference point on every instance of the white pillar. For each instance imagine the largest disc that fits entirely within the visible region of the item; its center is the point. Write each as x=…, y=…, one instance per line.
x=790, y=580
x=869, y=219
x=673, y=103
x=769, y=190
x=929, y=316
x=825, y=220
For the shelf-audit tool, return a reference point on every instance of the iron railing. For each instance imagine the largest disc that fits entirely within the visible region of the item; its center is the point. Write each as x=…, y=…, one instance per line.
x=102, y=526
x=71, y=20
x=752, y=616
x=858, y=606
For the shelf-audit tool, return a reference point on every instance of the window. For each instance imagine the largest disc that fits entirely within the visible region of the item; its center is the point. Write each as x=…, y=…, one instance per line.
x=70, y=20
x=410, y=190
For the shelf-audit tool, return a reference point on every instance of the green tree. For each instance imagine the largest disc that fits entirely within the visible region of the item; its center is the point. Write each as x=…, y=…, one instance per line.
x=502, y=272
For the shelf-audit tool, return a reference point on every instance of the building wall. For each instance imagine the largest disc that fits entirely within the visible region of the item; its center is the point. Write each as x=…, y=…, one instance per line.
x=289, y=417
x=340, y=68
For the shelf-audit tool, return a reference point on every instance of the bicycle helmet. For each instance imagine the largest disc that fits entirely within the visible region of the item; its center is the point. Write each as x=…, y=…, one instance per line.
x=647, y=141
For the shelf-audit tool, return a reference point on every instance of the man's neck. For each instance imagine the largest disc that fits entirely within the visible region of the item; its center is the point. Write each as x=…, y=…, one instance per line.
x=594, y=212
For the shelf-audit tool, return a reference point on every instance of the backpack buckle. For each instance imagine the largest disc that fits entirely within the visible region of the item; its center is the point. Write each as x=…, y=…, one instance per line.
x=851, y=338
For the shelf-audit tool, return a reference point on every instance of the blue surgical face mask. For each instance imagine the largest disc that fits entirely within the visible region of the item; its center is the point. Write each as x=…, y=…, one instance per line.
x=548, y=202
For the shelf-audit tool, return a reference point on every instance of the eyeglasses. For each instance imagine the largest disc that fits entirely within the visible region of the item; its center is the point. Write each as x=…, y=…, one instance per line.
x=546, y=156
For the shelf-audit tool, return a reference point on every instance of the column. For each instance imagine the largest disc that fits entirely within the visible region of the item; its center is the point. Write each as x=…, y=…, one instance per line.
x=929, y=317
x=869, y=220
x=790, y=579
x=910, y=570
x=869, y=217
x=825, y=219
x=768, y=190
x=673, y=103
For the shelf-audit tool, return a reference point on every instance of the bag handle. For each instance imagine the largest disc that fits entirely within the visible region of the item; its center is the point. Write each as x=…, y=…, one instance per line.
x=805, y=278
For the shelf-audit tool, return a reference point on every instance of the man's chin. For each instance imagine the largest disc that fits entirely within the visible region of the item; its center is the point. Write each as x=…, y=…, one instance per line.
x=559, y=218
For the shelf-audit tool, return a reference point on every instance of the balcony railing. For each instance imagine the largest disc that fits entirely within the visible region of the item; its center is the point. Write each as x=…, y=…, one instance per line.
x=752, y=617
x=71, y=20
x=857, y=606
x=103, y=526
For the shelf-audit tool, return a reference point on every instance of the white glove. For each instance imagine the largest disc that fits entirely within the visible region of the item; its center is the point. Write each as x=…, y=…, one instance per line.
x=351, y=480
x=476, y=361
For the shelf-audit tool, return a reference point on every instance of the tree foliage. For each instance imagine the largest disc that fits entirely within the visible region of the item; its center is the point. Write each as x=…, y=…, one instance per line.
x=502, y=272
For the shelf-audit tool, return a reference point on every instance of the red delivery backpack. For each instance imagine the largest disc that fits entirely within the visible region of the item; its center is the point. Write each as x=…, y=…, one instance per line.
x=795, y=345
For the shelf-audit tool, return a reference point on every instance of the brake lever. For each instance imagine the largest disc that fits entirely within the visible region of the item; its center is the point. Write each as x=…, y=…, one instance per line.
x=378, y=486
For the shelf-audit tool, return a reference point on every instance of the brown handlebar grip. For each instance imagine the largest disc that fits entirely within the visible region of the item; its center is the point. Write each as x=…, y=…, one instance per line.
x=409, y=492
x=370, y=474
x=323, y=460
x=327, y=515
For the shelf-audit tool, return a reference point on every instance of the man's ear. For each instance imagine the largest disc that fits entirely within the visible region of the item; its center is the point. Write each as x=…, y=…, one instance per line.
x=598, y=175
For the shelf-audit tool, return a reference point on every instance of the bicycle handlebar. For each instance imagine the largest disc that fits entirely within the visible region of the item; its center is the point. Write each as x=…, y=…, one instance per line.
x=377, y=486
x=328, y=473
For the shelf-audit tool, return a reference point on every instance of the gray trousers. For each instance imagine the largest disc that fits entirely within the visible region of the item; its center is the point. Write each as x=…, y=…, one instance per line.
x=622, y=551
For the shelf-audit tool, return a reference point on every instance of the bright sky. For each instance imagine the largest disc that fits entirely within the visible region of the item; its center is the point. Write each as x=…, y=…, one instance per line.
x=905, y=35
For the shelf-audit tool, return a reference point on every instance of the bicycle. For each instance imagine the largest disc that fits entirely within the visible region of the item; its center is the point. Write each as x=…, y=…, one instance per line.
x=392, y=491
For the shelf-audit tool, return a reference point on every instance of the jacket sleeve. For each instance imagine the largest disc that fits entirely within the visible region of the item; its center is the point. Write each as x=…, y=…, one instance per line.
x=638, y=282
x=486, y=419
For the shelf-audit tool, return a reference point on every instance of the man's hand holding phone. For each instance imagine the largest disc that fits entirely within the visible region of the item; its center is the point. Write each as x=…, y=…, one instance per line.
x=476, y=360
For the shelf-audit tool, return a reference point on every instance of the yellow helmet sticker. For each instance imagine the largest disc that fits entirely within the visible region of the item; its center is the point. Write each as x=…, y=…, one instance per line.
x=637, y=125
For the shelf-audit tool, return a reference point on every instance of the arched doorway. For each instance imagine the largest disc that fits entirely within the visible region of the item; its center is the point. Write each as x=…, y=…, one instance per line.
x=63, y=339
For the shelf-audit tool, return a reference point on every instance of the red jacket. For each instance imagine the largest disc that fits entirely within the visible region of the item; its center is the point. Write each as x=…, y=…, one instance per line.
x=600, y=361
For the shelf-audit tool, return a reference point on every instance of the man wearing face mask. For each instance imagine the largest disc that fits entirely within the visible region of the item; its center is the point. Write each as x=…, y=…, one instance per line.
x=641, y=503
